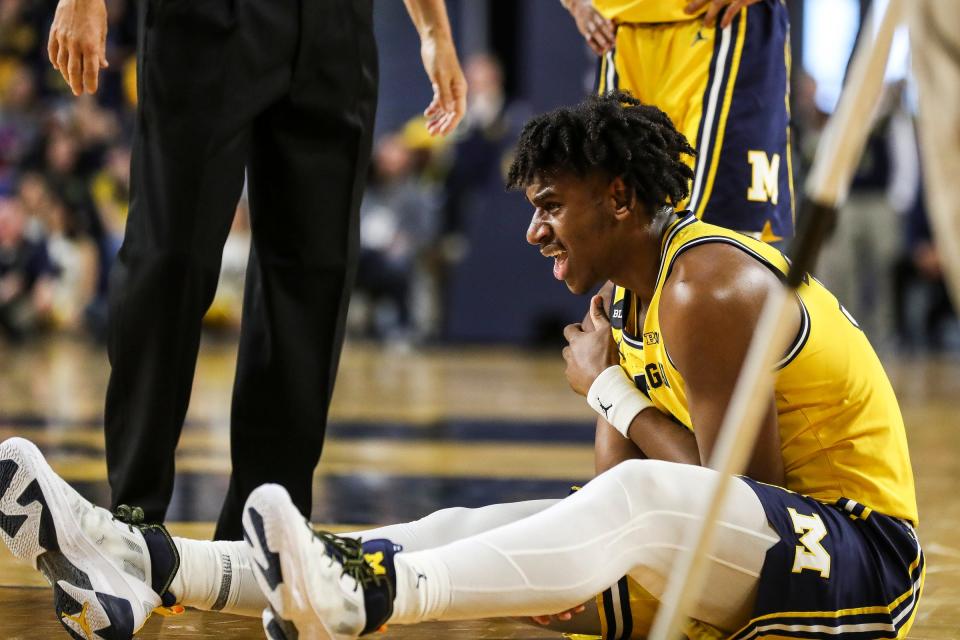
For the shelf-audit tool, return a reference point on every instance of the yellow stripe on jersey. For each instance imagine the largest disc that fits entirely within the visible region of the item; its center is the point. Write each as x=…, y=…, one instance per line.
x=715, y=152
x=635, y=622
x=669, y=65
x=645, y=11
x=841, y=431
x=788, y=61
x=766, y=626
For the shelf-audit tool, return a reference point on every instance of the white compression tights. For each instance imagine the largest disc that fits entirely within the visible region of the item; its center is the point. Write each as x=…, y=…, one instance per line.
x=219, y=575
x=554, y=554
x=449, y=525
x=629, y=520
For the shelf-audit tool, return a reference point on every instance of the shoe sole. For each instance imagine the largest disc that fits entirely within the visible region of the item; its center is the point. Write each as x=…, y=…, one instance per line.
x=269, y=519
x=37, y=525
x=277, y=628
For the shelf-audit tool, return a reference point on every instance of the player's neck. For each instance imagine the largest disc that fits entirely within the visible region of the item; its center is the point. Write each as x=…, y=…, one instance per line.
x=641, y=261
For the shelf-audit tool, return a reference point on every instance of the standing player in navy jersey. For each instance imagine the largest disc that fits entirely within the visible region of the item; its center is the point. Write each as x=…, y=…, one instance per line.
x=720, y=69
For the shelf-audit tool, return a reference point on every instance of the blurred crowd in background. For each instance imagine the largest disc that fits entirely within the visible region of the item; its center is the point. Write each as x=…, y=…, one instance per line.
x=65, y=190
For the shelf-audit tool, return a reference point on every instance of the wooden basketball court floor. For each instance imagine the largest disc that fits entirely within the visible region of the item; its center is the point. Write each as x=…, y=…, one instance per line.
x=413, y=432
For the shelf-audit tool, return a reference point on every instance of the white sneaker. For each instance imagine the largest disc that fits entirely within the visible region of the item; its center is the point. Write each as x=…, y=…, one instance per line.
x=319, y=585
x=99, y=567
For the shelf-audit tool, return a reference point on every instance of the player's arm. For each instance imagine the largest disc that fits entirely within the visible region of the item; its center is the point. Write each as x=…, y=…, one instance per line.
x=441, y=64
x=650, y=428
x=708, y=312
x=594, y=371
x=610, y=448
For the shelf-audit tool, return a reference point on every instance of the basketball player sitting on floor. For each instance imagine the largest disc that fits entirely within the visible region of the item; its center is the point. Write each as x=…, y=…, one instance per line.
x=832, y=552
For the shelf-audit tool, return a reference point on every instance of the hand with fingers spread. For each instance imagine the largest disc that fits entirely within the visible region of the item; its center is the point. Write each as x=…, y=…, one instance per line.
x=599, y=32
x=589, y=352
x=77, y=44
x=441, y=64
x=714, y=9
x=562, y=616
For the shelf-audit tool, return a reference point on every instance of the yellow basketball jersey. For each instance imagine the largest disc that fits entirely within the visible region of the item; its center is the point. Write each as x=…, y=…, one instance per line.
x=644, y=11
x=841, y=431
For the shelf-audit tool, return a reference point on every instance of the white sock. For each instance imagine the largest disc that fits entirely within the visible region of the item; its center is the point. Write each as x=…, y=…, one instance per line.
x=217, y=576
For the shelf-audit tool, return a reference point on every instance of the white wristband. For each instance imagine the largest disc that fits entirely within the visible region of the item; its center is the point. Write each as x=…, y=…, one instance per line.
x=614, y=396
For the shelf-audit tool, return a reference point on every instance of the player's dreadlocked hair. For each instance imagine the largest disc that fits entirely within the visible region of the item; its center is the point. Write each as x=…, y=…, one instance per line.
x=614, y=133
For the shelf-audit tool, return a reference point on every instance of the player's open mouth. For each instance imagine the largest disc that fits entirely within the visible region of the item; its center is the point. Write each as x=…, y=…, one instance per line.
x=559, y=256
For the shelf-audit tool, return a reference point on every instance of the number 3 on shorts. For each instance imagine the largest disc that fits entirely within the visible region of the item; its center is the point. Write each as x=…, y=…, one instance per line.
x=810, y=553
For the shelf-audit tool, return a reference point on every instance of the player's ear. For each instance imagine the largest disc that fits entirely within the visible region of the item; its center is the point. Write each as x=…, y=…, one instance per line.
x=622, y=196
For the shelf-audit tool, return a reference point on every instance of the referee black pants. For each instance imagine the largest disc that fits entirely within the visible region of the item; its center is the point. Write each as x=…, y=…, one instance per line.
x=285, y=89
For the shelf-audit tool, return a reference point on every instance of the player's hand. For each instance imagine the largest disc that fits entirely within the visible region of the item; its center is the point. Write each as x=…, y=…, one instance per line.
x=599, y=32
x=563, y=615
x=589, y=352
x=78, y=43
x=449, y=86
x=716, y=6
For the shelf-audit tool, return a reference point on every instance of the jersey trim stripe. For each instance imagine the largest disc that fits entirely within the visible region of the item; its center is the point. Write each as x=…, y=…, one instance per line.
x=612, y=70
x=801, y=340
x=864, y=622
x=599, y=88
x=684, y=222
x=607, y=74
x=730, y=81
x=616, y=619
x=855, y=509
x=626, y=614
x=633, y=341
x=703, y=190
x=788, y=61
x=803, y=334
x=725, y=240
x=709, y=114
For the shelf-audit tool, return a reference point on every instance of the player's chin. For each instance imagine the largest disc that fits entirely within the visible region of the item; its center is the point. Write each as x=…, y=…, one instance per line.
x=577, y=285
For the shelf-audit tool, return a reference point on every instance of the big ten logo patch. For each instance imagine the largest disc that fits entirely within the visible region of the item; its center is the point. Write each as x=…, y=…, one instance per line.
x=616, y=314
x=810, y=553
x=764, y=177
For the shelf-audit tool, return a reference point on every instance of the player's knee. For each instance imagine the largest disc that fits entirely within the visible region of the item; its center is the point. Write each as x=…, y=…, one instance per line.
x=656, y=484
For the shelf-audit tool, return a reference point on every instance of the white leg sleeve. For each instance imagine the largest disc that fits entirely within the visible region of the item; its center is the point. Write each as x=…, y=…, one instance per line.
x=629, y=520
x=448, y=525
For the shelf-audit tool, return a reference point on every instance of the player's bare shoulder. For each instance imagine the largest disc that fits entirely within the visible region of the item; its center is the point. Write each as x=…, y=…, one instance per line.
x=713, y=290
x=716, y=273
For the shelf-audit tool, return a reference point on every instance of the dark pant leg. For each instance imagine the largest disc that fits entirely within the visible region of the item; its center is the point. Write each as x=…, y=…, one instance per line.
x=197, y=100
x=308, y=165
